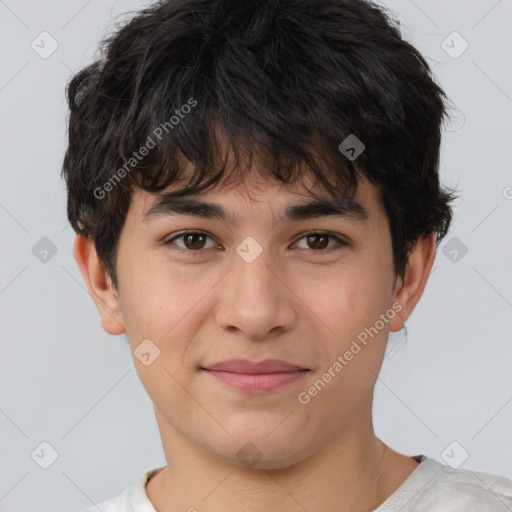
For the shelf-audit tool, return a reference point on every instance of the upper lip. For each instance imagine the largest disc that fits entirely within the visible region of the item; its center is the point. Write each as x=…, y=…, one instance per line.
x=247, y=366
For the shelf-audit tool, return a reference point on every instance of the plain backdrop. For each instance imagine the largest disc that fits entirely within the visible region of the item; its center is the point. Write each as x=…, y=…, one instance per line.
x=70, y=397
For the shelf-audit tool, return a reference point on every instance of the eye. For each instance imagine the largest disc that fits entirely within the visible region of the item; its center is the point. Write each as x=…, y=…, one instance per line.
x=195, y=241
x=319, y=241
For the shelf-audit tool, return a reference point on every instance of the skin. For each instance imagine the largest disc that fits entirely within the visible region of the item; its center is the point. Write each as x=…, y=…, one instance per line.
x=288, y=304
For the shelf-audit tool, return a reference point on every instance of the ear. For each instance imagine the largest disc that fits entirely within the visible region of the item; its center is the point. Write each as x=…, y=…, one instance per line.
x=99, y=285
x=409, y=290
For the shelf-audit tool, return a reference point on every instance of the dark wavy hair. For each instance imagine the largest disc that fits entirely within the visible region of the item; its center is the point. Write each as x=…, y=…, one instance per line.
x=284, y=82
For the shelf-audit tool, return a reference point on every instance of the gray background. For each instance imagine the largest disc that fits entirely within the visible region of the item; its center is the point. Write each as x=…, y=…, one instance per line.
x=64, y=381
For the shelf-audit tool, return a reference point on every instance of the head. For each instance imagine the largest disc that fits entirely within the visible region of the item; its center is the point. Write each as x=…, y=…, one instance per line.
x=249, y=106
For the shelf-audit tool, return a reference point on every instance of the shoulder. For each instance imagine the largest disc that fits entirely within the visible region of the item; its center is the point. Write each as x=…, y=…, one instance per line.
x=458, y=489
x=439, y=487
x=465, y=490
x=133, y=498
x=111, y=505
x=121, y=503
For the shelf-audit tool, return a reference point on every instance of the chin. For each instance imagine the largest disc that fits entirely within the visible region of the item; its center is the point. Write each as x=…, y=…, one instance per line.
x=264, y=452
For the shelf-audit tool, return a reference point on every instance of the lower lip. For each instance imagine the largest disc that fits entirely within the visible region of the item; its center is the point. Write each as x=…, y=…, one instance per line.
x=257, y=382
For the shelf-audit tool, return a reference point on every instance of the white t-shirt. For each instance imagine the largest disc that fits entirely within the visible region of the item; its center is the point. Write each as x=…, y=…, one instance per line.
x=431, y=487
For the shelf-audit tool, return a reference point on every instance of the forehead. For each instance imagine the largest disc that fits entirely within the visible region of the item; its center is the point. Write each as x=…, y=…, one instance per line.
x=232, y=203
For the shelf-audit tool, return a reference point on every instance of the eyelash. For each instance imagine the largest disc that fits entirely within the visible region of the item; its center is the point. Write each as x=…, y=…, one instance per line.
x=196, y=251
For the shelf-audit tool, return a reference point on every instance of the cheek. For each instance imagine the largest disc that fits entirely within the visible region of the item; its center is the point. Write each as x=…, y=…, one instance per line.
x=146, y=298
x=351, y=299
x=353, y=303
x=167, y=303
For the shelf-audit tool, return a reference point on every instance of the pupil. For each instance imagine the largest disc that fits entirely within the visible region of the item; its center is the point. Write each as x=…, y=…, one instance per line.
x=324, y=237
x=190, y=238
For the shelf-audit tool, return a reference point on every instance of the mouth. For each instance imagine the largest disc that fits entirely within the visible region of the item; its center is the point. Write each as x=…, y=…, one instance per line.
x=256, y=377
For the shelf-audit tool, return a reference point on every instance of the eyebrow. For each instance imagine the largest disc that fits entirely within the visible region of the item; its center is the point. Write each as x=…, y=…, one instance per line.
x=169, y=204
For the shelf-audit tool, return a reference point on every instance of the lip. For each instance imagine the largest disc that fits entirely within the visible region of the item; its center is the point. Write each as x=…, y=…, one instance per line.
x=247, y=366
x=256, y=377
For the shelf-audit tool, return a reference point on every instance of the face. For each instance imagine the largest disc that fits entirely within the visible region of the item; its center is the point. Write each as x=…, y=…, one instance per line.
x=316, y=292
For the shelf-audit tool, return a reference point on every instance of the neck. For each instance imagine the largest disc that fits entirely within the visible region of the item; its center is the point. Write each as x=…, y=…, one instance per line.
x=354, y=472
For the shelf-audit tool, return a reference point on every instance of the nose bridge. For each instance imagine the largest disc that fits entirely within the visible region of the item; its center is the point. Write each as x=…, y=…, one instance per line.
x=253, y=300
x=252, y=276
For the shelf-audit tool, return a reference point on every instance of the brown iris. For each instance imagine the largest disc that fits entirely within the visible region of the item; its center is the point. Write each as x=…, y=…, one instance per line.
x=323, y=244
x=191, y=241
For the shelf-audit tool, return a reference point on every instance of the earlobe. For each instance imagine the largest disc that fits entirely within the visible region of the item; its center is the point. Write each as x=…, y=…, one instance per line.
x=409, y=290
x=99, y=285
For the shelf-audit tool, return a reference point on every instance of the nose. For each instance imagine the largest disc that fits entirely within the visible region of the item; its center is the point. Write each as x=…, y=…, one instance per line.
x=255, y=300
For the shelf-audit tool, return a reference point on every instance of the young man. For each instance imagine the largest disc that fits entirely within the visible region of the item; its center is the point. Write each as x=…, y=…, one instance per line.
x=255, y=191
